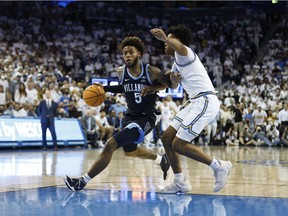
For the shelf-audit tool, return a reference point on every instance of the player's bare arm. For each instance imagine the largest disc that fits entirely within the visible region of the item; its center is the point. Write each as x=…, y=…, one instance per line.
x=160, y=77
x=160, y=81
x=157, y=85
x=116, y=88
x=174, y=43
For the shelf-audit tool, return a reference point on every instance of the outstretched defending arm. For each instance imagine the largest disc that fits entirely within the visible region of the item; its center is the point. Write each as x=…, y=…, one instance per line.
x=174, y=43
x=159, y=77
x=161, y=80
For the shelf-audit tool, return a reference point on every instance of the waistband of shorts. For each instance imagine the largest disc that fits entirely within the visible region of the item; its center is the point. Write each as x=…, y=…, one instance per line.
x=203, y=94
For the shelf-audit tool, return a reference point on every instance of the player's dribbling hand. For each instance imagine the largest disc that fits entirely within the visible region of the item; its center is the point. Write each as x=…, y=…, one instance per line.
x=98, y=84
x=159, y=34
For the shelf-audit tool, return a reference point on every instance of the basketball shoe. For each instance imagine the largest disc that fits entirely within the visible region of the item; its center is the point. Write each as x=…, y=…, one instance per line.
x=165, y=165
x=221, y=174
x=75, y=184
x=177, y=186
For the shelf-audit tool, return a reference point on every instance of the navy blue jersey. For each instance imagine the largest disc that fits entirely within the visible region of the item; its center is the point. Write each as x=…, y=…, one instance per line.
x=132, y=90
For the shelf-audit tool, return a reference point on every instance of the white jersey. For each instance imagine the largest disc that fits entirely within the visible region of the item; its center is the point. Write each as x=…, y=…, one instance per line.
x=195, y=78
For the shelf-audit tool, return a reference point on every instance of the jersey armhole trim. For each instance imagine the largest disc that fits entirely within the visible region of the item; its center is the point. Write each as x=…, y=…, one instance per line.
x=147, y=74
x=188, y=63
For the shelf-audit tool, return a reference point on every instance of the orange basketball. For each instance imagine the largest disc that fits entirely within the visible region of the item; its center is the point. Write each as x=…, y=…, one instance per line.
x=94, y=95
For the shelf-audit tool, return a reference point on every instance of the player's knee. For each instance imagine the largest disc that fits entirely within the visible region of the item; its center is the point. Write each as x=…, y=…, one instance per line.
x=110, y=145
x=166, y=139
x=180, y=146
x=175, y=146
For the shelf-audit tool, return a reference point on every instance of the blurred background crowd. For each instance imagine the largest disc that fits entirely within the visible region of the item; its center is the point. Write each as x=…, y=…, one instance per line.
x=61, y=46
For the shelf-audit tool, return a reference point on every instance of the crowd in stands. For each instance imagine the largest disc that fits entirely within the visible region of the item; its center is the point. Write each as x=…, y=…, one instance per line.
x=63, y=54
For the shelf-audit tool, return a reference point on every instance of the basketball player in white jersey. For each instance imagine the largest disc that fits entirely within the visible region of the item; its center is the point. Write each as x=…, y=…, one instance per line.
x=201, y=108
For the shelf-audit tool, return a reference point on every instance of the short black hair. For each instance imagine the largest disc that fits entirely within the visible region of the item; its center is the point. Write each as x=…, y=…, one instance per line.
x=133, y=41
x=182, y=33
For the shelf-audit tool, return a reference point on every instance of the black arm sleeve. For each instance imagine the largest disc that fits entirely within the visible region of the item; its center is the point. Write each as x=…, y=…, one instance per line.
x=114, y=89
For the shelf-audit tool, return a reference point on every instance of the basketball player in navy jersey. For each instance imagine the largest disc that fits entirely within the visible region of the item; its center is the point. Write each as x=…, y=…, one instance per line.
x=139, y=119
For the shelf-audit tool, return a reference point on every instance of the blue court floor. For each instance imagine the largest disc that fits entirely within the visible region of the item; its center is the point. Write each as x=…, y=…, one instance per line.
x=31, y=184
x=58, y=201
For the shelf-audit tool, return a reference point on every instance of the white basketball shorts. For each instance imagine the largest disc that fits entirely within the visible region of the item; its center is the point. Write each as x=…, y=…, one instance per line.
x=192, y=119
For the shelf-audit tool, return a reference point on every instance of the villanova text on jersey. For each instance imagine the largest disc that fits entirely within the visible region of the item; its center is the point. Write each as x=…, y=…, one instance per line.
x=132, y=90
x=133, y=87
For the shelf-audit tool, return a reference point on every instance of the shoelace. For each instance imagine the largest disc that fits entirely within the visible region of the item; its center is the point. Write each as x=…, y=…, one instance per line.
x=78, y=184
x=163, y=161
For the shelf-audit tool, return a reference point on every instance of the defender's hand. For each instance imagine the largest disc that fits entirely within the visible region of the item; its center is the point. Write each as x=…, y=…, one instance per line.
x=159, y=34
x=175, y=78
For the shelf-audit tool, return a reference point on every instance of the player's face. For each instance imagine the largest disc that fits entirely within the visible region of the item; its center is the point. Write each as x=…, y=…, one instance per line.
x=168, y=49
x=130, y=55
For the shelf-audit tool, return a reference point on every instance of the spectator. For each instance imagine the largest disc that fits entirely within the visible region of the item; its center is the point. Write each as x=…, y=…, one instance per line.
x=89, y=127
x=119, y=122
x=283, y=118
x=47, y=111
x=203, y=137
x=231, y=137
x=105, y=129
x=31, y=112
x=167, y=113
x=284, y=137
x=259, y=117
x=31, y=92
x=19, y=110
x=219, y=137
x=238, y=119
x=64, y=102
x=112, y=117
x=248, y=119
x=212, y=129
x=273, y=134
x=21, y=94
x=3, y=102
x=225, y=115
x=261, y=138
x=118, y=107
x=246, y=137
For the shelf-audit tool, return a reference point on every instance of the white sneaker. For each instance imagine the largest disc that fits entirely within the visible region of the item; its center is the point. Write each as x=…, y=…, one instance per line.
x=100, y=144
x=177, y=186
x=221, y=174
